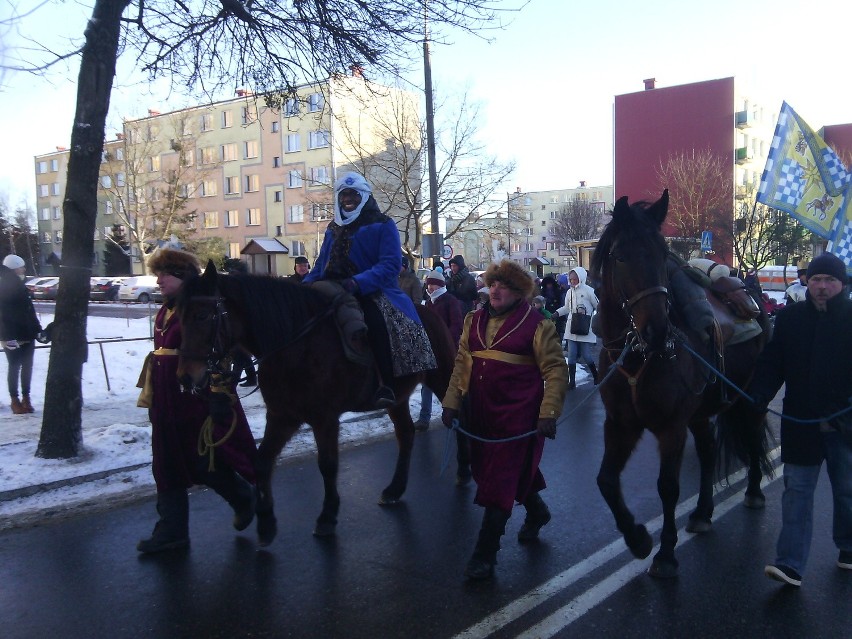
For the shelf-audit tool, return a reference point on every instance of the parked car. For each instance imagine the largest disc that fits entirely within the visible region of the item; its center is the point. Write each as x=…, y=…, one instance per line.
x=46, y=288
x=30, y=282
x=105, y=288
x=141, y=288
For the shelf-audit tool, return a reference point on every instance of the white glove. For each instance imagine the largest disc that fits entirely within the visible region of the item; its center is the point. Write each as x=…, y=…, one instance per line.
x=10, y=345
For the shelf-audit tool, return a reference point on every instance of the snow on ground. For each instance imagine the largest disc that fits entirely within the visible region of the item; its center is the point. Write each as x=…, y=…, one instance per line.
x=116, y=454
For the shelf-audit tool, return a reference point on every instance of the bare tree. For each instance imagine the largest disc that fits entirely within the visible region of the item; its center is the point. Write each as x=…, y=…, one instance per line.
x=577, y=220
x=699, y=198
x=265, y=45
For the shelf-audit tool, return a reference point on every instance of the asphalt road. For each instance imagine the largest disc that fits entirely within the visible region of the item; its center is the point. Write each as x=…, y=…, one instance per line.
x=397, y=572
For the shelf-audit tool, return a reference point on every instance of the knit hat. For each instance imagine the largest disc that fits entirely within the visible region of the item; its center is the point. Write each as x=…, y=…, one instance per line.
x=13, y=261
x=436, y=277
x=302, y=260
x=828, y=264
x=458, y=260
x=539, y=299
x=512, y=275
x=180, y=264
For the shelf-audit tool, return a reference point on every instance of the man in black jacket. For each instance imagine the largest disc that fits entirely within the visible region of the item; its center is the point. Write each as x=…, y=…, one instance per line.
x=811, y=352
x=461, y=284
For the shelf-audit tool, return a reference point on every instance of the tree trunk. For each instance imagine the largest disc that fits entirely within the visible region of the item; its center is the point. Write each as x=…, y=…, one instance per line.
x=61, y=430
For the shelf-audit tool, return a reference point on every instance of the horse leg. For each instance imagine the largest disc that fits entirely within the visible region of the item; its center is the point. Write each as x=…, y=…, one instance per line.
x=276, y=434
x=327, y=436
x=758, y=460
x=668, y=486
x=403, y=427
x=617, y=450
x=700, y=520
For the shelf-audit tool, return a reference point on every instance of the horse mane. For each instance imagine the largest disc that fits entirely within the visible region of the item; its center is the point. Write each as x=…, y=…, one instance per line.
x=632, y=222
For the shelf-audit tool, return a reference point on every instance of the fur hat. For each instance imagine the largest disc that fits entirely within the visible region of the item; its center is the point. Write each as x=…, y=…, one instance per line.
x=512, y=275
x=436, y=277
x=828, y=264
x=13, y=261
x=174, y=262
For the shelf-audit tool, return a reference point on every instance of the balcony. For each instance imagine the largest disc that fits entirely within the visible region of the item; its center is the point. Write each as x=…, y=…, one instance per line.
x=743, y=119
x=743, y=155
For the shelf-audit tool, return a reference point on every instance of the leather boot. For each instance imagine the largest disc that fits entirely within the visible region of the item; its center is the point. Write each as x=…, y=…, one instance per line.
x=538, y=514
x=27, y=406
x=481, y=564
x=171, y=532
x=572, y=372
x=238, y=492
x=17, y=407
x=594, y=371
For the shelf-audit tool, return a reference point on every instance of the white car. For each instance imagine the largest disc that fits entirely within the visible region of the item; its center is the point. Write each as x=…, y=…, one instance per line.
x=141, y=288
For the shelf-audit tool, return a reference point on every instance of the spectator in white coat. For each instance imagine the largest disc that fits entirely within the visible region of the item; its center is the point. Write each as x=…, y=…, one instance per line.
x=580, y=298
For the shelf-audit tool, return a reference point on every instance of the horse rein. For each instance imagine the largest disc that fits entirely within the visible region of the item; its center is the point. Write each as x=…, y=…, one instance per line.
x=217, y=352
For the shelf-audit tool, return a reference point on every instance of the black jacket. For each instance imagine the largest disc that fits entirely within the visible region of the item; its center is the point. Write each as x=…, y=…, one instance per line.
x=810, y=352
x=17, y=316
x=462, y=286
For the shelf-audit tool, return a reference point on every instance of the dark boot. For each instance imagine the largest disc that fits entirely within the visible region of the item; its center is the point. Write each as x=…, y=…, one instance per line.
x=17, y=407
x=235, y=490
x=538, y=514
x=572, y=372
x=383, y=397
x=171, y=532
x=481, y=564
x=26, y=405
x=594, y=371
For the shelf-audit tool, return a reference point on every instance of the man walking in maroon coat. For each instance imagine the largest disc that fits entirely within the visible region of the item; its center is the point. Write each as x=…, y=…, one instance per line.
x=511, y=375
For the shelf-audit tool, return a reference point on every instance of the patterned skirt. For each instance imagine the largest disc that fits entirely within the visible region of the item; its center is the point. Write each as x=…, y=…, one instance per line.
x=409, y=343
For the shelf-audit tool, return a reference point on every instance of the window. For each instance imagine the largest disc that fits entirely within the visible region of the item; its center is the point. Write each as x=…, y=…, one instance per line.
x=229, y=152
x=154, y=163
x=107, y=232
x=134, y=136
x=320, y=212
x=253, y=217
x=232, y=218
x=319, y=175
x=57, y=212
x=232, y=185
x=294, y=179
x=297, y=247
x=208, y=188
x=210, y=219
x=207, y=122
x=108, y=208
x=249, y=114
x=318, y=139
x=45, y=237
x=275, y=126
x=43, y=190
x=119, y=153
x=278, y=196
x=544, y=223
x=54, y=166
x=276, y=162
x=185, y=127
x=297, y=213
x=42, y=167
x=278, y=232
x=44, y=214
x=139, y=195
x=206, y=155
x=234, y=250
x=151, y=133
x=291, y=107
x=293, y=142
x=251, y=149
x=154, y=194
x=57, y=237
x=190, y=222
x=316, y=101
x=119, y=179
x=227, y=119
x=106, y=182
x=252, y=183
x=54, y=188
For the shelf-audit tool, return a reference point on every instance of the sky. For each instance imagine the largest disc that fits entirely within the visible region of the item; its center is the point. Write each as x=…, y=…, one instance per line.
x=545, y=84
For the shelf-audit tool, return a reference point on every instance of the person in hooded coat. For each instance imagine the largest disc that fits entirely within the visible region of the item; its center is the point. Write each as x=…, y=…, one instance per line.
x=510, y=372
x=579, y=295
x=362, y=251
x=461, y=284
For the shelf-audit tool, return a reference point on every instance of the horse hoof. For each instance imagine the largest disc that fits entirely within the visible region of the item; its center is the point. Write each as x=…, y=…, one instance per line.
x=324, y=530
x=662, y=569
x=640, y=542
x=698, y=526
x=755, y=502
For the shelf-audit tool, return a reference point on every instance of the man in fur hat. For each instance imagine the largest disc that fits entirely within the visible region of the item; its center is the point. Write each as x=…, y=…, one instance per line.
x=177, y=419
x=510, y=375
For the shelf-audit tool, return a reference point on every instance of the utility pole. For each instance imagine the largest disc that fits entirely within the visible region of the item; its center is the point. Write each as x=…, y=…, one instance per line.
x=432, y=242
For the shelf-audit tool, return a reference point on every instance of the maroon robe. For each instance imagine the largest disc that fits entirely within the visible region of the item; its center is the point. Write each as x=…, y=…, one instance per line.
x=505, y=398
x=177, y=417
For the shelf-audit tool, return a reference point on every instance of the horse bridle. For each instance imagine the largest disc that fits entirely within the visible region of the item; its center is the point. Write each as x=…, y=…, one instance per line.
x=217, y=353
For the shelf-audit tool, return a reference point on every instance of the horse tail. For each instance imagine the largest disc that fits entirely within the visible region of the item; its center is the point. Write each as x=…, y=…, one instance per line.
x=743, y=437
x=438, y=379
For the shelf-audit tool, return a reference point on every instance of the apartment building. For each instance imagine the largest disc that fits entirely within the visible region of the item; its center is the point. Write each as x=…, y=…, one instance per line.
x=251, y=175
x=717, y=117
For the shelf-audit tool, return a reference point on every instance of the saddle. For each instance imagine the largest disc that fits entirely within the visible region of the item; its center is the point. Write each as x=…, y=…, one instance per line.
x=349, y=321
x=735, y=310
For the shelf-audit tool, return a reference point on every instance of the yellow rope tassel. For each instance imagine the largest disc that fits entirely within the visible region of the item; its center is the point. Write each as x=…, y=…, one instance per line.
x=207, y=445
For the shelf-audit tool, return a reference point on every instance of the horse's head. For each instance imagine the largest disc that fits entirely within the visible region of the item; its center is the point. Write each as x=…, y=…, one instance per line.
x=206, y=338
x=630, y=263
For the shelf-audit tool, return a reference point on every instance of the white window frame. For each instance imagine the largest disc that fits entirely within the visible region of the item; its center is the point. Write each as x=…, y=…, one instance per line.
x=318, y=139
x=291, y=107
x=294, y=143
x=251, y=149
x=229, y=152
x=316, y=102
x=232, y=185
x=294, y=179
x=232, y=218
x=253, y=217
x=210, y=219
x=252, y=183
x=227, y=119
x=296, y=213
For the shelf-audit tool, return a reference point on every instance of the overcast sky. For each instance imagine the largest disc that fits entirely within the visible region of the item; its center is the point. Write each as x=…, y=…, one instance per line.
x=546, y=83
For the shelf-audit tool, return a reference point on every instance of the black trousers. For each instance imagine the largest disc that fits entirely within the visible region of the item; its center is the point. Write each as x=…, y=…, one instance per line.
x=20, y=364
x=377, y=334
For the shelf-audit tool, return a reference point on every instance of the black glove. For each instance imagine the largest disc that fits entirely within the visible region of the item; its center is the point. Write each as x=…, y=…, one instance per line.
x=350, y=285
x=45, y=336
x=220, y=407
x=448, y=415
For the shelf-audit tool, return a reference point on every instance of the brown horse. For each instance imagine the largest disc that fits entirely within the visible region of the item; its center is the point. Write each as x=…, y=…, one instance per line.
x=661, y=384
x=303, y=374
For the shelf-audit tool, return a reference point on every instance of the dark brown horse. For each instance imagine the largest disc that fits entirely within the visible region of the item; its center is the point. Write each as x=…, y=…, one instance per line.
x=303, y=374
x=661, y=384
